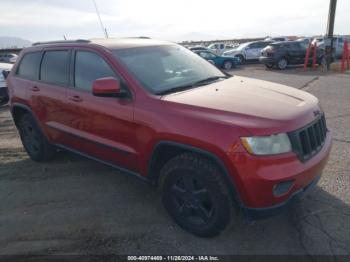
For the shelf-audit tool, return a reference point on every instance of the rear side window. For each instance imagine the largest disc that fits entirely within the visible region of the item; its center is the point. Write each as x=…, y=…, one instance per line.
x=297, y=46
x=29, y=66
x=54, y=67
x=89, y=67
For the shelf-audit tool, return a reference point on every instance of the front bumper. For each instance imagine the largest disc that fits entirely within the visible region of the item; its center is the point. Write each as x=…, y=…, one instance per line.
x=267, y=60
x=256, y=177
x=261, y=213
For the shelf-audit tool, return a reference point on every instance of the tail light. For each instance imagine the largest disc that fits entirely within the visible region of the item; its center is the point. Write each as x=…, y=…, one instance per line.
x=269, y=51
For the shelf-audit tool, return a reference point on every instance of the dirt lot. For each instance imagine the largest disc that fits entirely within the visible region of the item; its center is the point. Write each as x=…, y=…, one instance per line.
x=76, y=206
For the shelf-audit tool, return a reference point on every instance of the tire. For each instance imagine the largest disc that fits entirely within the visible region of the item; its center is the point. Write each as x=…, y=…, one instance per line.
x=33, y=140
x=269, y=66
x=228, y=65
x=195, y=195
x=241, y=59
x=282, y=63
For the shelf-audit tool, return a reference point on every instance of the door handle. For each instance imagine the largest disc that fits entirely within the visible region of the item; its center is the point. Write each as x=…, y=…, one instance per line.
x=76, y=98
x=34, y=89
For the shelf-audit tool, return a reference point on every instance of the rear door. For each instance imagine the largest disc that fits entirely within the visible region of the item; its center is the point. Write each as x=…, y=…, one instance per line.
x=100, y=127
x=293, y=52
x=301, y=52
x=47, y=96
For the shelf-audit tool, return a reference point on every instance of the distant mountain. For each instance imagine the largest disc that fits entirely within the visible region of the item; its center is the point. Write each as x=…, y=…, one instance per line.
x=195, y=36
x=13, y=42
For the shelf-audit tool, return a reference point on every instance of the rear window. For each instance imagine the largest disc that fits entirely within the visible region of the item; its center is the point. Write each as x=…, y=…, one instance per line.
x=29, y=66
x=54, y=67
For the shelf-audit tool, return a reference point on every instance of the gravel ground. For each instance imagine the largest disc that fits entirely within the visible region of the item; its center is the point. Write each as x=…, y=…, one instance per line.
x=76, y=206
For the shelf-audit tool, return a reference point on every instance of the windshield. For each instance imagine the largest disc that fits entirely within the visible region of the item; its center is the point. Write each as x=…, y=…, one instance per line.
x=242, y=46
x=161, y=68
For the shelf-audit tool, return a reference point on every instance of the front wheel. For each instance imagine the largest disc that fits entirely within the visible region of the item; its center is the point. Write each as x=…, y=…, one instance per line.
x=195, y=195
x=228, y=65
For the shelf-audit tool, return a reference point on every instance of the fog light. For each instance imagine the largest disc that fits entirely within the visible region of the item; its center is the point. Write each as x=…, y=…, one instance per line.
x=282, y=188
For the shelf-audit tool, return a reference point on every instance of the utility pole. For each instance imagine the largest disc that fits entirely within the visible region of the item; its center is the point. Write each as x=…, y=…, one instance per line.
x=104, y=30
x=330, y=32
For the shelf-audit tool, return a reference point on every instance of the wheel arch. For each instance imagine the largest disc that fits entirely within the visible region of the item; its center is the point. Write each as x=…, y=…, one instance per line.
x=227, y=60
x=18, y=110
x=163, y=151
x=241, y=55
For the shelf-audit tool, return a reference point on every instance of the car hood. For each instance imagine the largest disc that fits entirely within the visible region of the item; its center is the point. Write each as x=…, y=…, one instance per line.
x=232, y=51
x=251, y=103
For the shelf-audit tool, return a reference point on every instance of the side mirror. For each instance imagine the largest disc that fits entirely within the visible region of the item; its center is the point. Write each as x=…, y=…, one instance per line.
x=107, y=87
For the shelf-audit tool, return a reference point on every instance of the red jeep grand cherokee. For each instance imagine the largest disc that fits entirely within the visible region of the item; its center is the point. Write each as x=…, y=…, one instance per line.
x=156, y=110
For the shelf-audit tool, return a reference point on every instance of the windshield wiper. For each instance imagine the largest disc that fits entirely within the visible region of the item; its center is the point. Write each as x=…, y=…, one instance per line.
x=175, y=89
x=208, y=80
x=189, y=86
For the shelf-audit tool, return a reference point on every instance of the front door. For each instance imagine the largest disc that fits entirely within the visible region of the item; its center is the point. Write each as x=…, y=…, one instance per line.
x=100, y=127
x=253, y=51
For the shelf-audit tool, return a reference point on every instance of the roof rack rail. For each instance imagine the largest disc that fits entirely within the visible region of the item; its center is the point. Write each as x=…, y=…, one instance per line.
x=138, y=37
x=62, y=42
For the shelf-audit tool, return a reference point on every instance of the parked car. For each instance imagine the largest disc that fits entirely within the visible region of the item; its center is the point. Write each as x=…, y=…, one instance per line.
x=4, y=69
x=219, y=48
x=247, y=51
x=338, y=44
x=223, y=62
x=282, y=54
x=305, y=41
x=157, y=111
x=277, y=39
x=8, y=58
x=199, y=48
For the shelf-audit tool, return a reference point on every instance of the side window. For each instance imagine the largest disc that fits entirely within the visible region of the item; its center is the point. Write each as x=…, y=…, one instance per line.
x=264, y=44
x=29, y=66
x=207, y=55
x=55, y=67
x=253, y=46
x=89, y=67
x=203, y=54
x=298, y=46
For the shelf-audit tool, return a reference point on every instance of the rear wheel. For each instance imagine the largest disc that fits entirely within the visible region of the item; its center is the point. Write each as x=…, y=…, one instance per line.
x=282, y=63
x=195, y=195
x=240, y=59
x=269, y=66
x=33, y=140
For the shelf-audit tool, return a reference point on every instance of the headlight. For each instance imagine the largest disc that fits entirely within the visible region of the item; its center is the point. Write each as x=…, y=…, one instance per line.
x=267, y=145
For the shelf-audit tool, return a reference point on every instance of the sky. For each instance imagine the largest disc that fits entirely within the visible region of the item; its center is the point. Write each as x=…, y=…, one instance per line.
x=176, y=20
